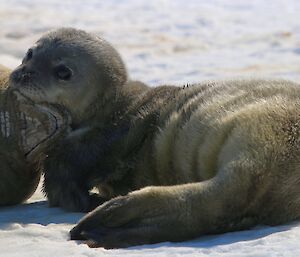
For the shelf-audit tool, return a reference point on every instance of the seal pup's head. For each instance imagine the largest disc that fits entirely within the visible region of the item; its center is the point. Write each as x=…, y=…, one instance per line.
x=69, y=67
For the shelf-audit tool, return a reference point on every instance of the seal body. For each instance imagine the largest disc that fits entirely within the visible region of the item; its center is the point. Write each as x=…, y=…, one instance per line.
x=19, y=178
x=18, y=182
x=172, y=163
x=24, y=130
x=209, y=158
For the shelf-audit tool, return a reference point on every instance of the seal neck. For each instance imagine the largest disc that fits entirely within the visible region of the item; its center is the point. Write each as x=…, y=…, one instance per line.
x=108, y=108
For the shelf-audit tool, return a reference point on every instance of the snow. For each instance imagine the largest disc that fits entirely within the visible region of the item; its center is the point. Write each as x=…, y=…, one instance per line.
x=162, y=42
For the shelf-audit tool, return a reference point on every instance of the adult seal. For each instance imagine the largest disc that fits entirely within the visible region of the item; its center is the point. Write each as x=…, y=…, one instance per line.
x=25, y=129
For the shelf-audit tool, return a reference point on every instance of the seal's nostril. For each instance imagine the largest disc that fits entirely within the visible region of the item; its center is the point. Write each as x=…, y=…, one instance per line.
x=26, y=76
x=22, y=74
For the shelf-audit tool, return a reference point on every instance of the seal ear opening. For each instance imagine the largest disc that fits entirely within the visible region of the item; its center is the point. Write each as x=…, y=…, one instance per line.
x=62, y=72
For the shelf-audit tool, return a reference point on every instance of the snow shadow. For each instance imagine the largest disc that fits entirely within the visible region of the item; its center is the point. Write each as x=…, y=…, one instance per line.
x=36, y=213
x=223, y=239
x=40, y=213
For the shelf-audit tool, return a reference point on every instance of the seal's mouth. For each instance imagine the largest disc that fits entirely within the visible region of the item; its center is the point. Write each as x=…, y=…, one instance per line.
x=45, y=130
x=39, y=124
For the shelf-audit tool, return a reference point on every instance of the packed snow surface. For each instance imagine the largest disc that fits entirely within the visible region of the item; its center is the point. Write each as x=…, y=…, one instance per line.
x=162, y=42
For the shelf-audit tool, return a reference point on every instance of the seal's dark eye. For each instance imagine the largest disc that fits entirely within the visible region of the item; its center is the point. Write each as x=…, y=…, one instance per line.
x=63, y=72
x=28, y=56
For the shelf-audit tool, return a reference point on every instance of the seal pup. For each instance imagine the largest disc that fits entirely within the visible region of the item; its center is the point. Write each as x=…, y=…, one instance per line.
x=176, y=163
x=25, y=129
x=82, y=73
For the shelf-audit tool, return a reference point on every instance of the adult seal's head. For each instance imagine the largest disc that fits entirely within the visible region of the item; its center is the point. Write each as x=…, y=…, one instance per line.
x=72, y=68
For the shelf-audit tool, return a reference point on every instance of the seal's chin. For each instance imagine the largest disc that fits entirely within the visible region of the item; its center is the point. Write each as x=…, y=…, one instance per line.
x=40, y=124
